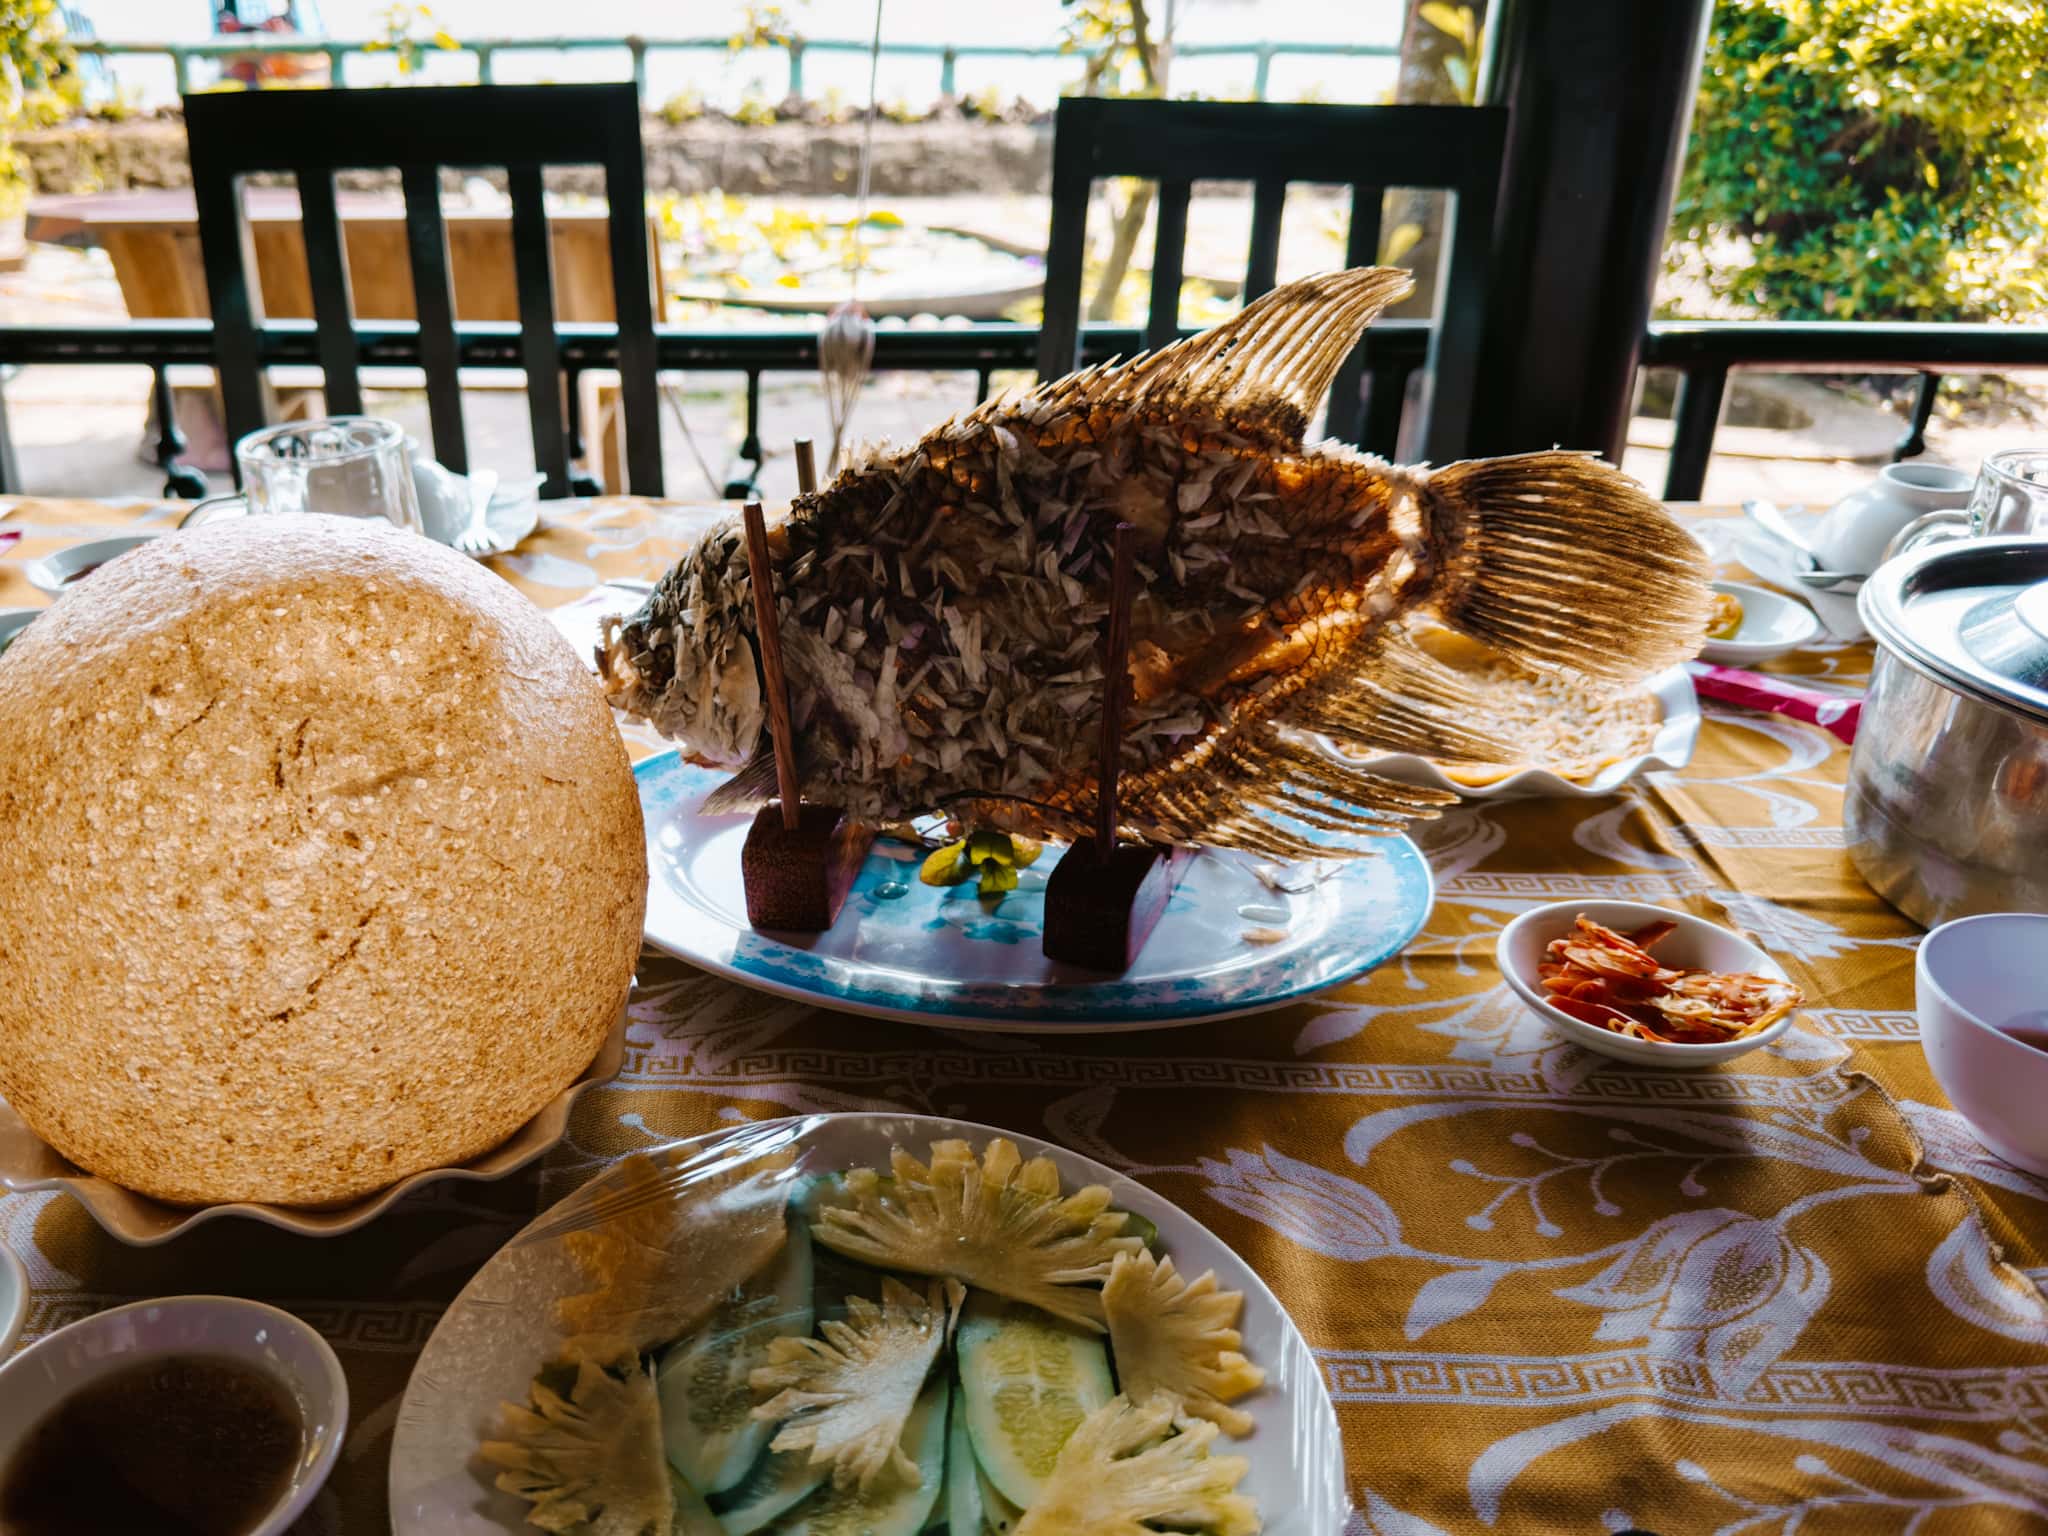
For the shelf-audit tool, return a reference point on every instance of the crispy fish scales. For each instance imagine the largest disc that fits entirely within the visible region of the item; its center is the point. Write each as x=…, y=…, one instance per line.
x=941, y=605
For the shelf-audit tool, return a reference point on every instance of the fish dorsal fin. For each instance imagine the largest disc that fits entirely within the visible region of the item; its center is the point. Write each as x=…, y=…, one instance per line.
x=1274, y=362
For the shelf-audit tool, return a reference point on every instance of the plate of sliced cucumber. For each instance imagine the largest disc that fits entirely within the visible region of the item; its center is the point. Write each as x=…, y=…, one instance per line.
x=865, y=1325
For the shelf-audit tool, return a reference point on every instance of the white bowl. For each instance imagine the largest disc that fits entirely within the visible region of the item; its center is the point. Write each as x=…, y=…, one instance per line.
x=1671, y=748
x=13, y=1299
x=1971, y=976
x=1695, y=945
x=270, y=1341
x=53, y=572
x=1772, y=624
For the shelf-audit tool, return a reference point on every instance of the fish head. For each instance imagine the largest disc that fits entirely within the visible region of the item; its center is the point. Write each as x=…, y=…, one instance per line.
x=687, y=664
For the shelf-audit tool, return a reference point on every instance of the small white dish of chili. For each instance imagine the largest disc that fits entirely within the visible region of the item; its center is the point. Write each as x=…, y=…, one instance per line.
x=1691, y=944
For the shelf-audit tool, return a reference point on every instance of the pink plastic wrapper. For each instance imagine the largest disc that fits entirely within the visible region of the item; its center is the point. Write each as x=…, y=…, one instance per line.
x=1832, y=712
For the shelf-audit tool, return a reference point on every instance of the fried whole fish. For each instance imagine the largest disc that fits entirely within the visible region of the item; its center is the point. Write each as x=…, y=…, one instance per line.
x=941, y=606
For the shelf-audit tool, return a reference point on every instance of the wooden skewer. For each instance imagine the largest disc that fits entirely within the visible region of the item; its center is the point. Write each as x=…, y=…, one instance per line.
x=765, y=620
x=806, y=466
x=1116, y=684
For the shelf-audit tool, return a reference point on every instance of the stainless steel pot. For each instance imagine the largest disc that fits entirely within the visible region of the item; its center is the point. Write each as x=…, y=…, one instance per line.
x=1947, y=808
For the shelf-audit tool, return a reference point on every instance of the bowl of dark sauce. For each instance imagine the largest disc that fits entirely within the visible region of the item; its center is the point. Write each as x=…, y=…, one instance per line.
x=189, y=1416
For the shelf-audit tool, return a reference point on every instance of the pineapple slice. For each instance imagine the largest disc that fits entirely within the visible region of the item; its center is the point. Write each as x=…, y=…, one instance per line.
x=1116, y=1476
x=1173, y=1335
x=846, y=1397
x=665, y=1247
x=1000, y=1224
x=588, y=1458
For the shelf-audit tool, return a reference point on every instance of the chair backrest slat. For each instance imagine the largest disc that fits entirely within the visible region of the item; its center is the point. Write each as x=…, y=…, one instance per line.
x=420, y=130
x=236, y=303
x=1456, y=150
x=426, y=240
x=1269, y=202
x=327, y=273
x=632, y=248
x=540, y=355
x=1162, y=312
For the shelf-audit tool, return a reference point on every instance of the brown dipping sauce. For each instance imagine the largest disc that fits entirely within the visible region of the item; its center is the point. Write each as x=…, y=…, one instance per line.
x=182, y=1445
x=83, y=571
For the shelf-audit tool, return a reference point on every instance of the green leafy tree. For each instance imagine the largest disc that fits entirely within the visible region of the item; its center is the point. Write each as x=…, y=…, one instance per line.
x=1125, y=56
x=1871, y=159
x=38, y=86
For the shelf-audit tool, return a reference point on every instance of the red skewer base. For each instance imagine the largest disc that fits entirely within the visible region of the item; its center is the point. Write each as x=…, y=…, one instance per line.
x=797, y=878
x=1099, y=912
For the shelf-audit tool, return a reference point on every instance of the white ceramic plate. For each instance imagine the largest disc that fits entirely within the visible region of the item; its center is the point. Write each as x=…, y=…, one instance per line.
x=501, y=1329
x=905, y=950
x=1670, y=748
x=28, y=1163
x=12, y=622
x=13, y=1299
x=1696, y=944
x=272, y=1342
x=1772, y=624
x=54, y=571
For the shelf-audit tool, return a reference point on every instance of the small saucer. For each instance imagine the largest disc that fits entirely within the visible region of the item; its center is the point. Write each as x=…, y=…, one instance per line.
x=1772, y=625
x=54, y=572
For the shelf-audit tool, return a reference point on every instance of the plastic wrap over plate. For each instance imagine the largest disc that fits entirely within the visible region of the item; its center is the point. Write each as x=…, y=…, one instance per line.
x=503, y=1327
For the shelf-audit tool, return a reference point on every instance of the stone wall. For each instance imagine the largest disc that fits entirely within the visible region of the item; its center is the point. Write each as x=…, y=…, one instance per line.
x=939, y=158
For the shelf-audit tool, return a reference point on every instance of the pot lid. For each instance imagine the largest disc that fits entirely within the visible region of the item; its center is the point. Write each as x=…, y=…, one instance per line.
x=1974, y=613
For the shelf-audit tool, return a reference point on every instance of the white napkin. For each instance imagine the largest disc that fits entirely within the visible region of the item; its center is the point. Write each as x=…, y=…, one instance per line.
x=1776, y=564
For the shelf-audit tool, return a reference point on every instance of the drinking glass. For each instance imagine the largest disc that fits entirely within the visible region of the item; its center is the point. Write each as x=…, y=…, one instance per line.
x=2009, y=501
x=344, y=466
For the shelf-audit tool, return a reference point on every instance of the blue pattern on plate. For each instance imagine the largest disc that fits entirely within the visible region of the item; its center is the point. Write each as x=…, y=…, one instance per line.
x=943, y=953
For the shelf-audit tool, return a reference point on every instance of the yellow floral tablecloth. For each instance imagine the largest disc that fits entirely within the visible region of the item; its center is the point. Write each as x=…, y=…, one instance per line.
x=1550, y=1292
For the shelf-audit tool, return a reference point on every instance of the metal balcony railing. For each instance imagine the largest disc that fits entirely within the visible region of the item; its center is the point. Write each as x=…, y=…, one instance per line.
x=487, y=50
x=1393, y=351
x=1703, y=353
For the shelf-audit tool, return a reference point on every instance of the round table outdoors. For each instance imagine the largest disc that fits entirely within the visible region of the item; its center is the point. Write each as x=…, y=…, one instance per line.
x=1550, y=1292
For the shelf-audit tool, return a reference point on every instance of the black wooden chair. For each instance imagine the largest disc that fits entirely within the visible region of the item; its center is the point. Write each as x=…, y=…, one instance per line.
x=1453, y=149
x=419, y=130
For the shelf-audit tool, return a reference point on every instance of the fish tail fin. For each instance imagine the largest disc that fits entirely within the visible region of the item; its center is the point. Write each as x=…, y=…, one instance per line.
x=1264, y=793
x=1562, y=561
x=1399, y=698
x=749, y=789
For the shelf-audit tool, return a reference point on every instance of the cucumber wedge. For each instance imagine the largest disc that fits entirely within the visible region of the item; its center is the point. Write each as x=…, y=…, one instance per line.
x=692, y=1517
x=963, y=1477
x=999, y=1516
x=773, y=1485
x=707, y=1423
x=1029, y=1380
x=890, y=1508
x=1142, y=1228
